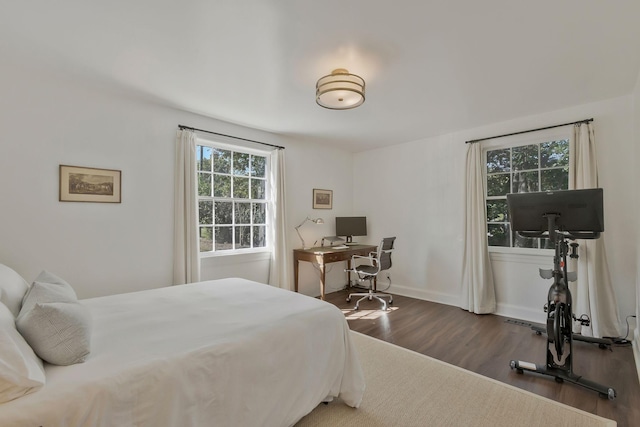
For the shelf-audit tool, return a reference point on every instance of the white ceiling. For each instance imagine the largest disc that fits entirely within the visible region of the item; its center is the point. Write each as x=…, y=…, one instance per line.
x=431, y=66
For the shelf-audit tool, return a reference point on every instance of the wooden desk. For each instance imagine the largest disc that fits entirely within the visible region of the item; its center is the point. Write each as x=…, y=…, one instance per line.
x=325, y=255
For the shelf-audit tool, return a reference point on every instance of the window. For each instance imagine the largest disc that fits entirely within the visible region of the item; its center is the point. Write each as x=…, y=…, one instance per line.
x=232, y=199
x=522, y=169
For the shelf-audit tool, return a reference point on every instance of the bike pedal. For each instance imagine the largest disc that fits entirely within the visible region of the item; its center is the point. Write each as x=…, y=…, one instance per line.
x=583, y=319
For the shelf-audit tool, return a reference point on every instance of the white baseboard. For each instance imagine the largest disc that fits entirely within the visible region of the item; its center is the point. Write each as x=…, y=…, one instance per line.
x=521, y=313
x=505, y=310
x=439, y=297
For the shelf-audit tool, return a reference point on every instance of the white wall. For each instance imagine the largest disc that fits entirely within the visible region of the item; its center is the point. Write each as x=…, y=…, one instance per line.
x=48, y=119
x=418, y=197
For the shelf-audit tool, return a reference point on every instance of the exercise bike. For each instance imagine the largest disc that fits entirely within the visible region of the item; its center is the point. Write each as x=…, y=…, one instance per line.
x=559, y=302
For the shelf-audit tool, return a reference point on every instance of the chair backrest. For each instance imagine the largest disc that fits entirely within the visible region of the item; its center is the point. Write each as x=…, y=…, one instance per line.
x=384, y=253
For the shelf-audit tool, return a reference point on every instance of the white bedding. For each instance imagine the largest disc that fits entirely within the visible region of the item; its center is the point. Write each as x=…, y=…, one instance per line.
x=228, y=352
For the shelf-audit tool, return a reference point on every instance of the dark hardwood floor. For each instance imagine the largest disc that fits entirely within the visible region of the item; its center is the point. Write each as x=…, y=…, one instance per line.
x=486, y=343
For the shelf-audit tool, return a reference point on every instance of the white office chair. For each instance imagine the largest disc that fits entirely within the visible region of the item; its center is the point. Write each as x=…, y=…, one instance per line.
x=377, y=262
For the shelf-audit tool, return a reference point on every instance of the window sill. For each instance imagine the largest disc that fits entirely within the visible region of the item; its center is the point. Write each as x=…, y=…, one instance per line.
x=527, y=255
x=236, y=257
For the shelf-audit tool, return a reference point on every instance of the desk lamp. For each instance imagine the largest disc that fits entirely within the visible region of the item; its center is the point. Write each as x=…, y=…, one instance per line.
x=315, y=221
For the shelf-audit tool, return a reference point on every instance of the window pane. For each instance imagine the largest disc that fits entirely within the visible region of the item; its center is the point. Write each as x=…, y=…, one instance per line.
x=243, y=237
x=243, y=213
x=499, y=234
x=204, y=184
x=241, y=164
x=525, y=182
x=223, y=212
x=206, y=239
x=554, y=179
x=203, y=158
x=498, y=185
x=240, y=187
x=498, y=161
x=221, y=161
x=257, y=188
x=497, y=211
x=259, y=213
x=524, y=242
x=258, y=166
x=221, y=185
x=259, y=236
x=554, y=153
x=223, y=238
x=205, y=211
x=546, y=244
x=525, y=157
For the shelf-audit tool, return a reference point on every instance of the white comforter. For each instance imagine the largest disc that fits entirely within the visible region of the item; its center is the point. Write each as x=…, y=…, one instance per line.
x=228, y=352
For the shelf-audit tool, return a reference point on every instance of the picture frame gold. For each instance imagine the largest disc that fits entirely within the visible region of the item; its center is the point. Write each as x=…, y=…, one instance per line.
x=322, y=199
x=85, y=184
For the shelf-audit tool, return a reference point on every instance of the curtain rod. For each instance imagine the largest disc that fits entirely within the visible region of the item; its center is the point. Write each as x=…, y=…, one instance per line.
x=181, y=127
x=531, y=130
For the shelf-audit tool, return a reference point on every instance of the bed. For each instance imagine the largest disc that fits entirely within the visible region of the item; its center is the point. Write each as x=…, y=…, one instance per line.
x=227, y=352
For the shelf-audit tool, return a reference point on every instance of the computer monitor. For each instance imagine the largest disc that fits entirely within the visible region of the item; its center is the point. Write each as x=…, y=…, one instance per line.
x=579, y=212
x=350, y=226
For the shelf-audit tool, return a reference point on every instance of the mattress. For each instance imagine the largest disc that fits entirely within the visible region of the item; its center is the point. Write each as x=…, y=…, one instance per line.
x=228, y=352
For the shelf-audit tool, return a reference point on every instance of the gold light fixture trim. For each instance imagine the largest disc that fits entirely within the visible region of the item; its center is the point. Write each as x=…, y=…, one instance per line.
x=340, y=90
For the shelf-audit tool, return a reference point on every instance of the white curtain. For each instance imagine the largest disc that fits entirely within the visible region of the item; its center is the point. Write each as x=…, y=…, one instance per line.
x=279, y=271
x=478, y=289
x=186, y=259
x=593, y=292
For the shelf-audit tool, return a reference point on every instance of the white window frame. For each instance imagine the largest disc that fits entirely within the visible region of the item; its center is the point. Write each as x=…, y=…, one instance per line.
x=268, y=200
x=517, y=141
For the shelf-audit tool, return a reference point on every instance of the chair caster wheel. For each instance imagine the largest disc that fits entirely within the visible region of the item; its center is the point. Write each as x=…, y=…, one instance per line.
x=348, y=299
x=391, y=302
x=356, y=308
x=559, y=380
x=602, y=346
x=538, y=333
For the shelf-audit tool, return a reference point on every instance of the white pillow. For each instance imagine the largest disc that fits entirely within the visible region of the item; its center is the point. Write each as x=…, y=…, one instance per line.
x=21, y=371
x=12, y=289
x=59, y=332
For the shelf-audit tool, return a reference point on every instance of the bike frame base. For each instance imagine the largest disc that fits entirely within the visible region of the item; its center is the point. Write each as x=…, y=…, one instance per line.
x=603, y=343
x=563, y=375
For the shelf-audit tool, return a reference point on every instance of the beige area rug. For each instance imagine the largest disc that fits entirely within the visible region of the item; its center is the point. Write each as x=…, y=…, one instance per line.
x=405, y=388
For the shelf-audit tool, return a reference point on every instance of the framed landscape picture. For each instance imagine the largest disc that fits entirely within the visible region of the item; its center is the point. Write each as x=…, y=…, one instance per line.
x=80, y=184
x=322, y=199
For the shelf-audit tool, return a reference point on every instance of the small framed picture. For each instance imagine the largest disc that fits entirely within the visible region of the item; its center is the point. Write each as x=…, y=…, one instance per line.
x=80, y=184
x=322, y=199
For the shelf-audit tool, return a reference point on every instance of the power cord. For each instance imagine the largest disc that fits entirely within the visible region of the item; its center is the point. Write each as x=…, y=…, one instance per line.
x=621, y=340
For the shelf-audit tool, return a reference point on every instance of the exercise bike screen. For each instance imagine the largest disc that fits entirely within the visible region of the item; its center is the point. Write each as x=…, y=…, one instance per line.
x=576, y=210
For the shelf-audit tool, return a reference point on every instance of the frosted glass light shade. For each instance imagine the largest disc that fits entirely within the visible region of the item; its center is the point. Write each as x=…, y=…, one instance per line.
x=340, y=90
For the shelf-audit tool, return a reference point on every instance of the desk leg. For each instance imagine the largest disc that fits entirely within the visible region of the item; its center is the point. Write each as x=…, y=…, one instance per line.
x=348, y=273
x=296, y=263
x=322, y=276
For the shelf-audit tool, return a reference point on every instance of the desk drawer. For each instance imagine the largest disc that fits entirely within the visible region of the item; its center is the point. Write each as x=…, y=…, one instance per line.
x=334, y=257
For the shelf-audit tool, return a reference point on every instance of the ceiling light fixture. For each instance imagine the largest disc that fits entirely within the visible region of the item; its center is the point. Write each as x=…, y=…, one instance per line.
x=340, y=90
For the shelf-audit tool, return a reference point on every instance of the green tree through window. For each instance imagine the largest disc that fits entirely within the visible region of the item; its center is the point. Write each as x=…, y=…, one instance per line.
x=232, y=199
x=522, y=169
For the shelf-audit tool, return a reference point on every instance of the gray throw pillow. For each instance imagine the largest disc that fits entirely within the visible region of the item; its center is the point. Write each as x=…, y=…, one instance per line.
x=53, y=322
x=58, y=332
x=47, y=277
x=46, y=292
